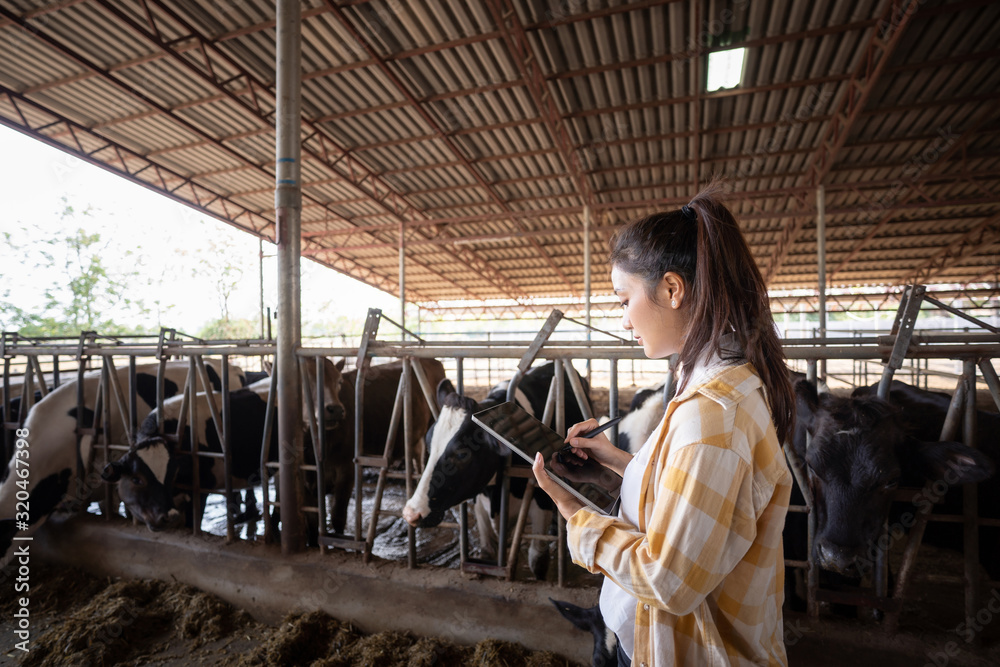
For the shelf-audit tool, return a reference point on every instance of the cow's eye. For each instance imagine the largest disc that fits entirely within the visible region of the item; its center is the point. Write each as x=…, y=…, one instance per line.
x=138, y=480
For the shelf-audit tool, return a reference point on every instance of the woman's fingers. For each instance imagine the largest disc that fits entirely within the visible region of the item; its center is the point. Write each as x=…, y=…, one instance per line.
x=541, y=478
x=581, y=427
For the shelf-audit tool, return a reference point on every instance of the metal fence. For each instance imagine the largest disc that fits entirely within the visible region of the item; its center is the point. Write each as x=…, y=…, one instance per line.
x=50, y=361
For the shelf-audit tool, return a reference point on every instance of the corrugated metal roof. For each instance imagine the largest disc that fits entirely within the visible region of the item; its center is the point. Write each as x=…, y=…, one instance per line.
x=485, y=128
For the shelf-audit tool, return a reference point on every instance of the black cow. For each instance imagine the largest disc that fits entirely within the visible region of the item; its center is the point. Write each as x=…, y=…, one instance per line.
x=463, y=461
x=863, y=448
x=590, y=620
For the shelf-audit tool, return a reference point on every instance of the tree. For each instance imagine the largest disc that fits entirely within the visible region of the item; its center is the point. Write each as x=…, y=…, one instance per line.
x=83, y=293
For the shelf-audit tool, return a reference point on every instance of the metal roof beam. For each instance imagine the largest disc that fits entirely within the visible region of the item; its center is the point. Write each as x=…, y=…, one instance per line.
x=433, y=124
x=948, y=146
x=358, y=172
x=972, y=242
x=653, y=203
x=948, y=8
x=874, y=59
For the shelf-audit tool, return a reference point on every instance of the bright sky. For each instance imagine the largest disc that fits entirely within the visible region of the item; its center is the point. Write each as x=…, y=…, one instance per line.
x=33, y=180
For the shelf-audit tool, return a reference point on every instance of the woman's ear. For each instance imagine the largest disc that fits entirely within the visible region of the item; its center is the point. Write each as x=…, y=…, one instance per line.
x=672, y=289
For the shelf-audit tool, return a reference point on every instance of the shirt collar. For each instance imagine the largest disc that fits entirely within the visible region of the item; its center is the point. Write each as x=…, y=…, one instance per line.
x=722, y=378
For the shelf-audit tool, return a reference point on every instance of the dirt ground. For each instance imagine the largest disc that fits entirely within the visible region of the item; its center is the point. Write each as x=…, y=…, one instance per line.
x=81, y=620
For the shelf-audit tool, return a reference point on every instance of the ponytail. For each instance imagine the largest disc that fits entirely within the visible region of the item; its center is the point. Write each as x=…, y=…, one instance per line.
x=703, y=244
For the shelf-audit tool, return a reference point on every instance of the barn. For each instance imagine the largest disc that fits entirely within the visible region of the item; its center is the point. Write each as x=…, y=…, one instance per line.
x=475, y=159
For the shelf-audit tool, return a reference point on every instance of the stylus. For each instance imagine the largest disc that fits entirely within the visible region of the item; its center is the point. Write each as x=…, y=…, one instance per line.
x=600, y=429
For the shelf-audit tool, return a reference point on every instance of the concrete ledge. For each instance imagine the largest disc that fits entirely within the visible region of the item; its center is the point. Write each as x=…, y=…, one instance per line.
x=375, y=597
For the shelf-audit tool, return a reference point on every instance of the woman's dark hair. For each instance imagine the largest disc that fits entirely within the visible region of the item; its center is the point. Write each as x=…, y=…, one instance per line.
x=703, y=244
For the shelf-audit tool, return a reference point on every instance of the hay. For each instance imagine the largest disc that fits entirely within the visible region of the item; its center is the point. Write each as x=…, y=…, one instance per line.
x=496, y=653
x=383, y=649
x=204, y=617
x=119, y=620
x=127, y=618
x=300, y=640
x=437, y=653
x=95, y=622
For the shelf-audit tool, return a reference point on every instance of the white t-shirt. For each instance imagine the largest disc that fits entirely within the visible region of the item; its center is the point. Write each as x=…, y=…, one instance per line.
x=617, y=605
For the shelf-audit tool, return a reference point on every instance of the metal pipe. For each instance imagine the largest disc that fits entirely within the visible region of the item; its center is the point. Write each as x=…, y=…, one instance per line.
x=260, y=271
x=970, y=505
x=586, y=277
x=821, y=259
x=402, y=279
x=227, y=450
x=613, y=398
x=288, y=208
x=406, y=383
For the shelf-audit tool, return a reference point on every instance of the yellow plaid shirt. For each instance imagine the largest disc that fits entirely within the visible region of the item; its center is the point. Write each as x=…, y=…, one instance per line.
x=705, y=562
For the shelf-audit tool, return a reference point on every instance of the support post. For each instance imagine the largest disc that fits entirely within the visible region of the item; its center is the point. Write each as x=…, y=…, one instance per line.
x=970, y=504
x=402, y=279
x=288, y=208
x=586, y=278
x=821, y=261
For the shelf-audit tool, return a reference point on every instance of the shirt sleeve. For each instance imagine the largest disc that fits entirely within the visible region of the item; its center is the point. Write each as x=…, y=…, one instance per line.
x=702, y=524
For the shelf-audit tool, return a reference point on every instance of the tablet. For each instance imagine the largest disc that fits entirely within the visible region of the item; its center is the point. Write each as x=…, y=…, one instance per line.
x=525, y=436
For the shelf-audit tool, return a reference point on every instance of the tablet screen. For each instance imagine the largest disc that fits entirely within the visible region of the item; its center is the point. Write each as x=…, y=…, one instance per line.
x=519, y=428
x=526, y=436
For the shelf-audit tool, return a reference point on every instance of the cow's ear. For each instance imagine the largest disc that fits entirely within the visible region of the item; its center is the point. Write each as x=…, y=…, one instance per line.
x=340, y=364
x=444, y=389
x=807, y=401
x=581, y=618
x=112, y=472
x=952, y=462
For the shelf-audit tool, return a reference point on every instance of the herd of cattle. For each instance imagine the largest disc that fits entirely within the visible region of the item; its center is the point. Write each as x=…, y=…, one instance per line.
x=860, y=450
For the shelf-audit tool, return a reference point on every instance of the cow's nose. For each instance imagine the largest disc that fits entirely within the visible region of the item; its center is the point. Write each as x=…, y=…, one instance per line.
x=411, y=516
x=335, y=411
x=836, y=558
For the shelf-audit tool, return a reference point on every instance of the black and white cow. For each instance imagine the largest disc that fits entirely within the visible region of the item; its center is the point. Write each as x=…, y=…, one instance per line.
x=644, y=414
x=150, y=472
x=463, y=461
x=51, y=427
x=862, y=448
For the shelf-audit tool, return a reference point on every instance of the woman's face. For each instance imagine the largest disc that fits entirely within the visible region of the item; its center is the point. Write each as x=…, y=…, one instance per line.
x=656, y=325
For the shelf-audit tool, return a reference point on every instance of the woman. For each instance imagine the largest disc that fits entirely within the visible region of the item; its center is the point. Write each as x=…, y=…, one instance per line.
x=693, y=561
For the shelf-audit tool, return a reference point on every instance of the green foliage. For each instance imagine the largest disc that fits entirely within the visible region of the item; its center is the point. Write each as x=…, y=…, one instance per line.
x=82, y=293
x=230, y=329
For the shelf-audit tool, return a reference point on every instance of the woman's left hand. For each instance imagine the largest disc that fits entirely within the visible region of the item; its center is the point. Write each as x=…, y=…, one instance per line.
x=565, y=502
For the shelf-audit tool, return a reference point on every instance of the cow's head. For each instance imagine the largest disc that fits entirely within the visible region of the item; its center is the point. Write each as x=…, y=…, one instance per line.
x=461, y=461
x=333, y=409
x=144, y=476
x=858, y=455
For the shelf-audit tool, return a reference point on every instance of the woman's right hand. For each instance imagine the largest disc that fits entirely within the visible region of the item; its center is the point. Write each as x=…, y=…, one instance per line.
x=598, y=448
